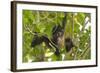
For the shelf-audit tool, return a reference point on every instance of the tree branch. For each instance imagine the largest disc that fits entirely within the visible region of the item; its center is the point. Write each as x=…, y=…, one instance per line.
x=27, y=29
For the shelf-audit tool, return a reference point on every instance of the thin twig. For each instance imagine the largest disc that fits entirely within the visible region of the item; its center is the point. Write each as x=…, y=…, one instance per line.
x=27, y=29
x=38, y=17
x=80, y=33
x=82, y=54
x=86, y=53
x=84, y=25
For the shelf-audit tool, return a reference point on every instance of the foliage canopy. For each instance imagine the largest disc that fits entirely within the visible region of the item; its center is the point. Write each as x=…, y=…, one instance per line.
x=77, y=27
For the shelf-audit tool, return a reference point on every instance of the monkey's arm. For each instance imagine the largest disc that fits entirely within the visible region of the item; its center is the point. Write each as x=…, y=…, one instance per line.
x=38, y=40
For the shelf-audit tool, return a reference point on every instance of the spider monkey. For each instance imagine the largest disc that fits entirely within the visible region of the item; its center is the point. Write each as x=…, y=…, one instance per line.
x=57, y=34
x=58, y=31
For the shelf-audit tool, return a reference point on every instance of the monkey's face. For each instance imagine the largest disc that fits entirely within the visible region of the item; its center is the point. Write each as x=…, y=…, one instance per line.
x=60, y=40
